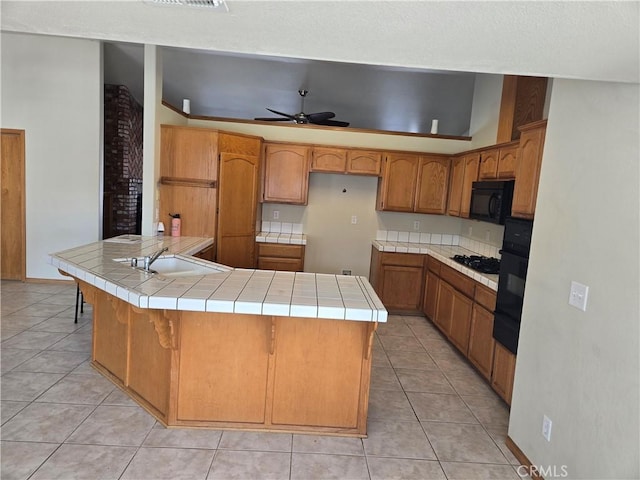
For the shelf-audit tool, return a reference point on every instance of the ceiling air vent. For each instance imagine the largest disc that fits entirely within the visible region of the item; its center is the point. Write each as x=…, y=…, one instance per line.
x=218, y=5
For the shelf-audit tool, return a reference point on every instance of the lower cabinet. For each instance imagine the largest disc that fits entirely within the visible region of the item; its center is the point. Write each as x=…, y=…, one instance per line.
x=276, y=256
x=397, y=278
x=462, y=309
x=504, y=368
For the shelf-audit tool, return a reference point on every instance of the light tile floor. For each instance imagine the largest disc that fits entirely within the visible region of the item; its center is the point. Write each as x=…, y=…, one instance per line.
x=430, y=415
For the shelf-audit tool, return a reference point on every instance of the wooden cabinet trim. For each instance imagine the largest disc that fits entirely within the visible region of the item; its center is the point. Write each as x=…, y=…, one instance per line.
x=485, y=297
x=280, y=250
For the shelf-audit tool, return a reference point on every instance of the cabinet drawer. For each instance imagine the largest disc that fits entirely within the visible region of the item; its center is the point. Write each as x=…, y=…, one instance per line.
x=280, y=251
x=403, y=259
x=433, y=265
x=485, y=297
x=458, y=280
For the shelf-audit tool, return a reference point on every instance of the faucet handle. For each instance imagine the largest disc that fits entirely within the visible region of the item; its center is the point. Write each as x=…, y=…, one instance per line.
x=134, y=262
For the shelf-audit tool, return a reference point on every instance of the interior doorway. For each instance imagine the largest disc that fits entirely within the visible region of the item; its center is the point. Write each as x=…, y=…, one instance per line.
x=12, y=206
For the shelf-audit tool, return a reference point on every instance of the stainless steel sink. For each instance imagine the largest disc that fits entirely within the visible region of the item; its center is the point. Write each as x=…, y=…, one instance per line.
x=178, y=266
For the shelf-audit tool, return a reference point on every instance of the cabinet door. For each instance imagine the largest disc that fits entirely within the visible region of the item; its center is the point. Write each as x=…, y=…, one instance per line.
x=238, y=200
x=397, y=187
x=402, y=288
x=433, y=182
x=455, y=190
x=281, y=264
x=528, y=165
x=286, y=174
x=188, y=153
x=430, y=303
x=507, y=162
x=461, y=321
x=488, y=164
x=481, y=342
x=330, y=160
x=444, y=307
x=363, y=162
x=471, y=166
x=196, y=206
x=504, y=368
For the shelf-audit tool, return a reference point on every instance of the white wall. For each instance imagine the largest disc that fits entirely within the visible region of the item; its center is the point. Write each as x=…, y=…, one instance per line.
x=52, y=89
x=581, y=369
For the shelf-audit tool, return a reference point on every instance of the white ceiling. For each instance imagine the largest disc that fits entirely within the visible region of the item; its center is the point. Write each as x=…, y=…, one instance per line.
x=566, y=39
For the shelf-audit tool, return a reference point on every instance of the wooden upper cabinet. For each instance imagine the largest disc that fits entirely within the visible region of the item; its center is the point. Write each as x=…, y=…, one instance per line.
x=488, y=164
x=328, y=159
x=529, y=161
x=471, y=167
x=433, y=182
x=286, y=173
x=522, y=103
x=188, y=153
x=397, y=187
x=364, y=162
x=507, y=161
x=455, y=189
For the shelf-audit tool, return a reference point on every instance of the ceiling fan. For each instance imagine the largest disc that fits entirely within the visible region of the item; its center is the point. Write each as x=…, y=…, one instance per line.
x=319, y=118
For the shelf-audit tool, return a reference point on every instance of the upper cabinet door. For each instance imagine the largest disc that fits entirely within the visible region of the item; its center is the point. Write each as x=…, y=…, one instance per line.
x=455, y=190
x=188, y=153
x=471, y=167
x=328, y=159
x=286, y=173
x=507, y=162
x=488, y=164
x=525, y=192
x=433, y=181
x=362, y=162
x=397, y=187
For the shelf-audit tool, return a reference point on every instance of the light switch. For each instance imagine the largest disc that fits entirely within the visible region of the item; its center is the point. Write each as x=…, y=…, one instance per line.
x=354, y=219
x=578, y=296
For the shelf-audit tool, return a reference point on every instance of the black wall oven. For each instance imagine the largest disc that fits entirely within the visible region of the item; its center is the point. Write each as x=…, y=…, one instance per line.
x=511, y=281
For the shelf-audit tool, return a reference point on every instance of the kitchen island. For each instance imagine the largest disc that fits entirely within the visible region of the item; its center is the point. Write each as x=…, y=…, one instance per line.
x=235, y=348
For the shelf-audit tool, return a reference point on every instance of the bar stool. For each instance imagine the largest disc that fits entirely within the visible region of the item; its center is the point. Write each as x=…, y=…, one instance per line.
x=79, y=301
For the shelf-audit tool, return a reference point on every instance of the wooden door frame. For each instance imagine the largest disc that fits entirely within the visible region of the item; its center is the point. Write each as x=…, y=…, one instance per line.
x=23, y=262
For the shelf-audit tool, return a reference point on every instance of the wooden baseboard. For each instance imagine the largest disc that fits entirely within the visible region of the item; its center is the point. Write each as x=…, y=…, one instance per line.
x=522, y=458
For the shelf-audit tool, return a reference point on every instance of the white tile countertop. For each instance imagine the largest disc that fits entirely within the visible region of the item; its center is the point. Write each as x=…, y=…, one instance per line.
x=442, y=253
x=283, y=233
x=264, y=292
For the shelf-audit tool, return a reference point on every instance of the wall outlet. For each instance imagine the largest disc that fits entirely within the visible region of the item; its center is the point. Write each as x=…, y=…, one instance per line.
x=546, y=427
x=578, y=296
x=416, y=225
x=276, y=214
x=354, y=219
x=346, y=271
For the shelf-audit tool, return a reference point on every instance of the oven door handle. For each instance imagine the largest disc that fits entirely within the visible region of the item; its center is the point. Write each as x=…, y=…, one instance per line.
x=492, y=200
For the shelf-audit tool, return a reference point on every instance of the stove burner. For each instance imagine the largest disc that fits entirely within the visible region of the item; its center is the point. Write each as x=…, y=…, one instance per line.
x=478, y=262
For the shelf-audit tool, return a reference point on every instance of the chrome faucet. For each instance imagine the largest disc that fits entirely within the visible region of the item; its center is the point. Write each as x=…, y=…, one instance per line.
x=149, y=259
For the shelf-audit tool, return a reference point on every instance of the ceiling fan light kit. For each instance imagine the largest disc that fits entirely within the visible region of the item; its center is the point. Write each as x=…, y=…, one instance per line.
x=318, y=118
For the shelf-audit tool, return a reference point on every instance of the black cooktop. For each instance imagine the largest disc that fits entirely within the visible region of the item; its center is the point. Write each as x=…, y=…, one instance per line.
x=479, y=263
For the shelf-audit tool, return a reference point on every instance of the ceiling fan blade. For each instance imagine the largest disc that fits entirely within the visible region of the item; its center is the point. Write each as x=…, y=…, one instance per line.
x=332, y=123
x=290, y=117
x=272, y=119
x=320, y=116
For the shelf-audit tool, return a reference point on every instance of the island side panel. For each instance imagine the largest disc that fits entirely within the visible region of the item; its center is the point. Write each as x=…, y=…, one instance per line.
x=152, y=341
x=111, y=334
x=223, y=367
x=319, y=366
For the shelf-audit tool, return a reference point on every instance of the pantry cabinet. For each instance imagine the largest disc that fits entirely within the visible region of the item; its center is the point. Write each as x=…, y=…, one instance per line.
x=529, y=161
x=211, y=179
x=413, y=183
x=286, y=173
x=398, y=280
x=275, y=256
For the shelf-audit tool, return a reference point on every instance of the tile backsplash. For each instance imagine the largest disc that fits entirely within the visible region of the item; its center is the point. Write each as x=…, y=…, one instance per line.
x=282, y=227
x=439, y=239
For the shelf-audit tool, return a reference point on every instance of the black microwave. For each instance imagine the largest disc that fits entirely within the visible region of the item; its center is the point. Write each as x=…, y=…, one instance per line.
x=491, y=201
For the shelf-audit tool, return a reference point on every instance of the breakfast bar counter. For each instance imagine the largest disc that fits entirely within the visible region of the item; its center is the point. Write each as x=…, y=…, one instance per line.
x=212, y=346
